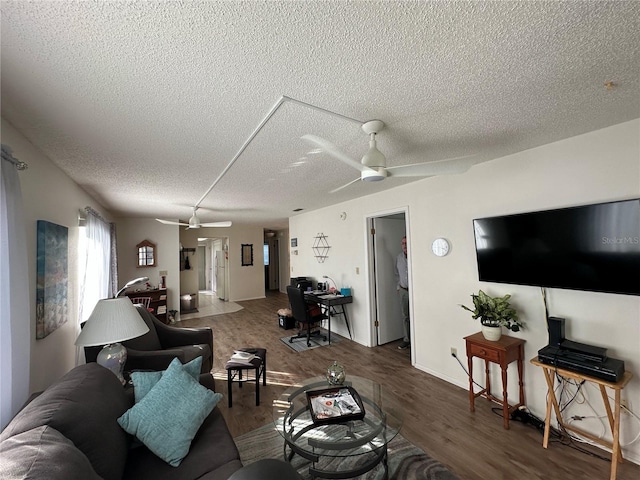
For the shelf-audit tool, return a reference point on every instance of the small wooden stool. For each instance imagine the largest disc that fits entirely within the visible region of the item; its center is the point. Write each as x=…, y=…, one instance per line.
x=235, y=372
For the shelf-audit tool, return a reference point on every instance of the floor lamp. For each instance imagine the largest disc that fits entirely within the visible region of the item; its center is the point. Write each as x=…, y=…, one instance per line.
x=113, y=320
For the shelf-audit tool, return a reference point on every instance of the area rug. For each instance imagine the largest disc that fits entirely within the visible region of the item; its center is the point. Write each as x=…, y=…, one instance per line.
x=300, y=344
x=406, y=461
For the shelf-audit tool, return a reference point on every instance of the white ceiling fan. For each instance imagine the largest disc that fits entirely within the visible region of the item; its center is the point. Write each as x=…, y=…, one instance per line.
x=373, y=166
x=194, y=222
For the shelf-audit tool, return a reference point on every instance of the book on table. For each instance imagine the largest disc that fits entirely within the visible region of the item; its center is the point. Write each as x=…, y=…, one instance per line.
x=335, y=405
x=242, y=357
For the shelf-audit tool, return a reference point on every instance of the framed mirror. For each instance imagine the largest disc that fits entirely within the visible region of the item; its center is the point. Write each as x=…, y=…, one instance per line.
x=146, y=254
x=247, y=254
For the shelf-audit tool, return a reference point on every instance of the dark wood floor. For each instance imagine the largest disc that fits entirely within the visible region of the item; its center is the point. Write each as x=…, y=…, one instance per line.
x=473, y=445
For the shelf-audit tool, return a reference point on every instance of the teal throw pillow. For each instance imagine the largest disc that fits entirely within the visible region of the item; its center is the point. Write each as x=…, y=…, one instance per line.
x=143, y=382
x=170, y=415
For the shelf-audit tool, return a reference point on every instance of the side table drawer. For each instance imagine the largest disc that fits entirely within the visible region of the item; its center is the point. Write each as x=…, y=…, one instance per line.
x=478, y=351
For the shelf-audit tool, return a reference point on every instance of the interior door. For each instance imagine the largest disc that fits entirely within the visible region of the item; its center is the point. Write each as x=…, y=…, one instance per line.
x=220, y=275
x=388, y=234
x=202, y=267
x=274, y=262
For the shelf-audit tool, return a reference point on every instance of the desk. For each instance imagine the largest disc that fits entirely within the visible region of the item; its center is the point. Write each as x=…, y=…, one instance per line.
x=502, y=352
x=614, y=417
x=329, y=303
x=158, y=302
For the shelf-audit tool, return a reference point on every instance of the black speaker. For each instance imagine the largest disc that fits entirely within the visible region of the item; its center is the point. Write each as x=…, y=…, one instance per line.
x=555, y=326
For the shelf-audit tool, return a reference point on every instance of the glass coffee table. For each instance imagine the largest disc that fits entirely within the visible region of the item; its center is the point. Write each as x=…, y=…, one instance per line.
x=341, y=449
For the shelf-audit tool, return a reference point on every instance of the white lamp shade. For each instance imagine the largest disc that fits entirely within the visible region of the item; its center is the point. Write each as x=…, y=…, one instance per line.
x=112, y=320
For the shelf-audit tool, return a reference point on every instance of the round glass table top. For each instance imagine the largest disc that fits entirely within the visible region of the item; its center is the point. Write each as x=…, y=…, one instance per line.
x=382, y=420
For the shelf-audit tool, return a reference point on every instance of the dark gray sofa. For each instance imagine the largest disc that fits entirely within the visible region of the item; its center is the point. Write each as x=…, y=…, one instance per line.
x=70, y=432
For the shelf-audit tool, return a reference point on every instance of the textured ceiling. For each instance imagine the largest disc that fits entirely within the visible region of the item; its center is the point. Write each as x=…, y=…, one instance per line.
x=145, y=103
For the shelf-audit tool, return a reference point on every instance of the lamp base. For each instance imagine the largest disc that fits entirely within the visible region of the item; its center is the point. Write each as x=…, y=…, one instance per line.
x=113, y=357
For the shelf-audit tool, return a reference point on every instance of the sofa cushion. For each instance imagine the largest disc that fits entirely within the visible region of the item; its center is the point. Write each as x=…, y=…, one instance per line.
x=83, y=406
x=213, y=455
x=167, y=419
x=143, y=382
x=43, y=452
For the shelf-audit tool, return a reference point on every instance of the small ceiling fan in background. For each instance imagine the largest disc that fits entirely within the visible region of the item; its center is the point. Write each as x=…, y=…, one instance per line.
x=373, y=166
x=194, y=222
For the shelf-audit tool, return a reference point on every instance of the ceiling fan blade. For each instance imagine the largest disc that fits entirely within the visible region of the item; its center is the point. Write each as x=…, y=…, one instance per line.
x=216, y=224
x=428, y=169
x=170, y=222
x=344, y=186
x=334, y=151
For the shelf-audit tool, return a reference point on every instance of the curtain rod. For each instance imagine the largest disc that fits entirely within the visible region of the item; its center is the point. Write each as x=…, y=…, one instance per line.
x=7, y=154
x=82, y=220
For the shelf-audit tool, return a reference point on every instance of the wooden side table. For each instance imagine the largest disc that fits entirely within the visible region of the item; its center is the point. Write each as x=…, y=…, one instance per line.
x=502, y=352
x=613, y=416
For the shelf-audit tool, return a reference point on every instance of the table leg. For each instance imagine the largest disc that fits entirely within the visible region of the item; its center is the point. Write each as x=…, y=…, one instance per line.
x=487, y=379
x=472, y=396
x=551, y=400
x=505, y=403
x=616, y=454
x=346, y=320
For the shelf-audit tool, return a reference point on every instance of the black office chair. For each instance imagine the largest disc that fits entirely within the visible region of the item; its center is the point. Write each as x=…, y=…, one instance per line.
x=307, y=315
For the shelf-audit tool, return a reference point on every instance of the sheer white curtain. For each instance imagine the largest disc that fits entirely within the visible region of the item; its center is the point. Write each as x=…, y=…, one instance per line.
x=15, y=314
x=95, y=278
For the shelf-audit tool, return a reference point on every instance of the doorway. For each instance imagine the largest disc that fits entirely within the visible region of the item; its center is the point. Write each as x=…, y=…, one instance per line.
x=386, y=232
x=271, y=264
x=212, y=274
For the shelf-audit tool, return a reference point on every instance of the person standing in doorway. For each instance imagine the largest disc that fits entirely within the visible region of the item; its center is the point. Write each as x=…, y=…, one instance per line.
x=402, y=275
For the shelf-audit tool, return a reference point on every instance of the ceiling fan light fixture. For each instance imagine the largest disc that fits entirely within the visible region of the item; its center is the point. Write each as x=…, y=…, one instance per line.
x=374, y=158
x=194, y=221
x=373, y=175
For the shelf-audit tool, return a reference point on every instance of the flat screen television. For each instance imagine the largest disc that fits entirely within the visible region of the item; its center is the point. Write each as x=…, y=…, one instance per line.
x=590, y=247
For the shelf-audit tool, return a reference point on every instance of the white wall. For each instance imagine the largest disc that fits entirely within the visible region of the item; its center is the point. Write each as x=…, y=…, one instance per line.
x=283, y=257
x=597, y=167
x=49, y=194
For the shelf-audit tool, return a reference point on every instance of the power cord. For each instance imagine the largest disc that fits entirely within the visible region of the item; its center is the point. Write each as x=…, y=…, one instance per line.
x=465, y=370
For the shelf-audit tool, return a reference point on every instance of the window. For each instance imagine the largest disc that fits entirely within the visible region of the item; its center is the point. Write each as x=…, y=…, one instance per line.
x=146, y=254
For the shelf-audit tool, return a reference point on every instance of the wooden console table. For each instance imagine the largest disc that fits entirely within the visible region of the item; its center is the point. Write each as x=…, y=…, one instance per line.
x=158, y=301
x=502, y=352
x=614, y=416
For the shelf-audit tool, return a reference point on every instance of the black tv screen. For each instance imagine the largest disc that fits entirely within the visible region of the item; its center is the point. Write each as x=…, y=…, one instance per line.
x=591, y=247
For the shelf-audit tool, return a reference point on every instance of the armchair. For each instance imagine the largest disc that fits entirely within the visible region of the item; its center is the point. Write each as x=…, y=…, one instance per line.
x=161, y=344
x=307, y=315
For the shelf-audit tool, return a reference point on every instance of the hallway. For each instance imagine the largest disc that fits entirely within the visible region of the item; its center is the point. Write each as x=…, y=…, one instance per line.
x=210, y=304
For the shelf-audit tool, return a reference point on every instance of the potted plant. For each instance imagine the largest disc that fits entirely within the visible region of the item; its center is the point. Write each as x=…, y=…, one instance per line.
x=494, y=313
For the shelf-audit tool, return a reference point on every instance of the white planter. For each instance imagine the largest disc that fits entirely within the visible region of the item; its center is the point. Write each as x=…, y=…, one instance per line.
x=491, y=333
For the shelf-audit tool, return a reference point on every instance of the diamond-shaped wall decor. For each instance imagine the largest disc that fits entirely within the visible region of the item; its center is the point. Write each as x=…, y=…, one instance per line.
x=321, y=247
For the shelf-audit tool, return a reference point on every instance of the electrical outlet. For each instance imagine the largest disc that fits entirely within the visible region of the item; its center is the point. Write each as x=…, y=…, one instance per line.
x=454, y=352
x=624, y=403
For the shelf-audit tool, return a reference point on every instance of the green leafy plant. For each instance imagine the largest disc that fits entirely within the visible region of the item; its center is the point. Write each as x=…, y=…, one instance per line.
x=494, y=311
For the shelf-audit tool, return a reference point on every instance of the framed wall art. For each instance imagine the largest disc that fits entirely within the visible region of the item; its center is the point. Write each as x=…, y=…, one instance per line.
x=51, y=277
x=247, y=254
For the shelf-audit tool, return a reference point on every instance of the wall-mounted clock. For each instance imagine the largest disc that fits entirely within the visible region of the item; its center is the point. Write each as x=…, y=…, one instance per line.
x=440, y=247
